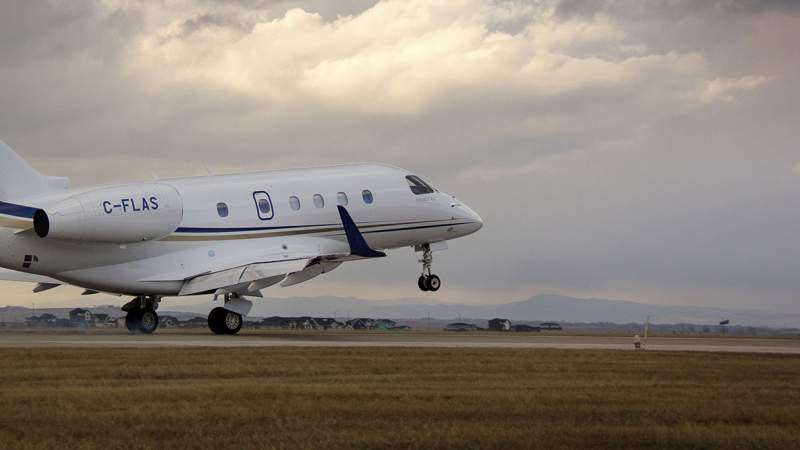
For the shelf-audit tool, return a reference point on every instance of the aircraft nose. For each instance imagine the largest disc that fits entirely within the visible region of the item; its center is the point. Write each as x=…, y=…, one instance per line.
x=473, y=217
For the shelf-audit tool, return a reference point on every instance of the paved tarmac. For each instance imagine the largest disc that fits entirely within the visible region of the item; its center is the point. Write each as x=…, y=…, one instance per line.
x=247, y=338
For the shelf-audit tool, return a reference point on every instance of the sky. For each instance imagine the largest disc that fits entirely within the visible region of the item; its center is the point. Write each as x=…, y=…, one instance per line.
x=641, y=150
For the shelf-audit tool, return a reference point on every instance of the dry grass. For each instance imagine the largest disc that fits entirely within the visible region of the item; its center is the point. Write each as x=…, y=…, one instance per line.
x=396, y=398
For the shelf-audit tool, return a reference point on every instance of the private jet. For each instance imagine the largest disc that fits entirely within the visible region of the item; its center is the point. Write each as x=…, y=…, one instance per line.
x=230, y=236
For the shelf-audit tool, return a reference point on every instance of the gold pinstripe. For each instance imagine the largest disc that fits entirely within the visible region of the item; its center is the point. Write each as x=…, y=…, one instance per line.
x=15, y=222
x=225, y=237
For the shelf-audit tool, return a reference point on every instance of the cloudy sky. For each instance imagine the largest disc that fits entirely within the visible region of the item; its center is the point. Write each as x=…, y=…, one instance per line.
x=642, y=150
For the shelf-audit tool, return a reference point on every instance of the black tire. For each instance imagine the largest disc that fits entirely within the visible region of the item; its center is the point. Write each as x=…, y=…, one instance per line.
x=222, y=321
x=148, y=320
x=433, y=283
x=213, y=321
x=132, y=320
x=422, y=282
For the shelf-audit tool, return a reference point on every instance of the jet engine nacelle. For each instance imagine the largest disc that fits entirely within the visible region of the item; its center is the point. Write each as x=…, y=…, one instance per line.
x=121, y=214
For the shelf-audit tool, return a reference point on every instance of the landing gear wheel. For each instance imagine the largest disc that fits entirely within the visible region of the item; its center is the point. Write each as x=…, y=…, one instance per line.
x=222, y=321
x=141, y=314
x=433, y=283
x=422, y=282
x=427, y=281
x=148, y=320
x=132, y=320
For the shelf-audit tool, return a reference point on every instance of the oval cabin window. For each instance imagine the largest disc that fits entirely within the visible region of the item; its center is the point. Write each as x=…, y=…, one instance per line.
x=263, y=206
x=294, y=203
x=222, y=209
x=319, y=202
x=341, y=197
x=367, y=196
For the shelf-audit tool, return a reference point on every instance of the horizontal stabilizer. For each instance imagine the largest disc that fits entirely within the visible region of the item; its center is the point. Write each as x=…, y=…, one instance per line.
x=358, y=245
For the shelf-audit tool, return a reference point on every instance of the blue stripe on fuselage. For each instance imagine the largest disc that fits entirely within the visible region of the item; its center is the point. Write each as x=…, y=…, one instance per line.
x=10, y=209
x=285, y=227
x=235, y=230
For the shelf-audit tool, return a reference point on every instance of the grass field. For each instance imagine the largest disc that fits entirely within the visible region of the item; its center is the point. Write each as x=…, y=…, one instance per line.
x=396, y=398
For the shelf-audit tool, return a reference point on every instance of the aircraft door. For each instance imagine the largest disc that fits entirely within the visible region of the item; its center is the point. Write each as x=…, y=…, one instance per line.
x=263, y=205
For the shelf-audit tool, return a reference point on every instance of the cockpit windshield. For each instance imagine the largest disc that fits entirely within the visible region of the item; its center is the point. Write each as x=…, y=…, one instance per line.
x=418, y=186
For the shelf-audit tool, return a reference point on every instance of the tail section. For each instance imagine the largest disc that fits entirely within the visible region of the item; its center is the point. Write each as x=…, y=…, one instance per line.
x=19, y=180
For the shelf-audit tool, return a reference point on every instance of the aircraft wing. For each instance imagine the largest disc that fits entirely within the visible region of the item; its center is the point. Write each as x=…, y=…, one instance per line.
x=309, y=258
x=13, y=275
x=43, y=283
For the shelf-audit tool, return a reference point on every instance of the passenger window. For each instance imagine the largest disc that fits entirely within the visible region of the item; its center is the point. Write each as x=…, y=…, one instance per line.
x=263, y=205
x=341, y=197
x=319, y=202
x=419, y=187
x=294, y=202
x=222, y=209
x=366, y=195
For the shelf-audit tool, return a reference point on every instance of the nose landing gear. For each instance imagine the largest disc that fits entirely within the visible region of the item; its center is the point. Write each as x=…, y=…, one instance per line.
x=142, y=317
x=428, y=281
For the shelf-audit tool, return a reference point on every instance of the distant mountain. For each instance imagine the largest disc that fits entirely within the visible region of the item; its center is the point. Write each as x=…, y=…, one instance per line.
x=538, y=308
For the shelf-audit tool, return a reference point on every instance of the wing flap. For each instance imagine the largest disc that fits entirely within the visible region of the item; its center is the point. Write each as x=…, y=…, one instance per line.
x=242, y=275
x=309, y=272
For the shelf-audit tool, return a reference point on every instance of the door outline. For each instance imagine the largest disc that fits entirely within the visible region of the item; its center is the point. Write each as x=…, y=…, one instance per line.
x=263, y=195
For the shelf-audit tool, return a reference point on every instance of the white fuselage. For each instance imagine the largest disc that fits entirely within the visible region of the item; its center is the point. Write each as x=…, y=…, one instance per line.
x=200, y=238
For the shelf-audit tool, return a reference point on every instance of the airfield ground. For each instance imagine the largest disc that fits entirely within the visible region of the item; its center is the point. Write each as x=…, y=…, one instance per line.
x=201, y=337
x=137, y=396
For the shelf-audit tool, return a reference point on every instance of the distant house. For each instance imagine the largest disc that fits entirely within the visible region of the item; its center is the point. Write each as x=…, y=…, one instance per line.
x=167, y=321
x=274, y=322
x=384, y=324
x=104, y=320
x=300, y=323
x=551, y=326
x=80, y=315
x=500, y=325
x=460, y=326
x=361, y=324
x=328, y=322
x=100, y=317
x=195, y=321
x=522, y=328
x=45, y=320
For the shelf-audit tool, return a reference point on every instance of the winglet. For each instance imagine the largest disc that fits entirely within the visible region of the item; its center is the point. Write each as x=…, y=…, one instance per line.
x=358, y=246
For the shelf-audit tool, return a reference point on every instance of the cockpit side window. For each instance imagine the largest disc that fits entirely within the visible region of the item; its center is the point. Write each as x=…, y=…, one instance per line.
x=418, y=186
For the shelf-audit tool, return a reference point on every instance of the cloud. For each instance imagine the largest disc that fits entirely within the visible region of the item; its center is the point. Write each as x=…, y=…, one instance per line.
x=403, y=57
x=640, y=147
x=725, y=89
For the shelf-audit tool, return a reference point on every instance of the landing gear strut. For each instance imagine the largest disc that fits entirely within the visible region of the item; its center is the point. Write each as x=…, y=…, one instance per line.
x=225, y=321
x=428, y=281
x=142, y=315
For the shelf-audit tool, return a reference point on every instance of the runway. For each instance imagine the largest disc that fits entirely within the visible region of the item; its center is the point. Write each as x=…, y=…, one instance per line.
x=200, y=338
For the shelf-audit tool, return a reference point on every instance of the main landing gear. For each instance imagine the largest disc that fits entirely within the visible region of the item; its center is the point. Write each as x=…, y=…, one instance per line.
x=225, y=321
x=428, y=281
x=142, y=317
